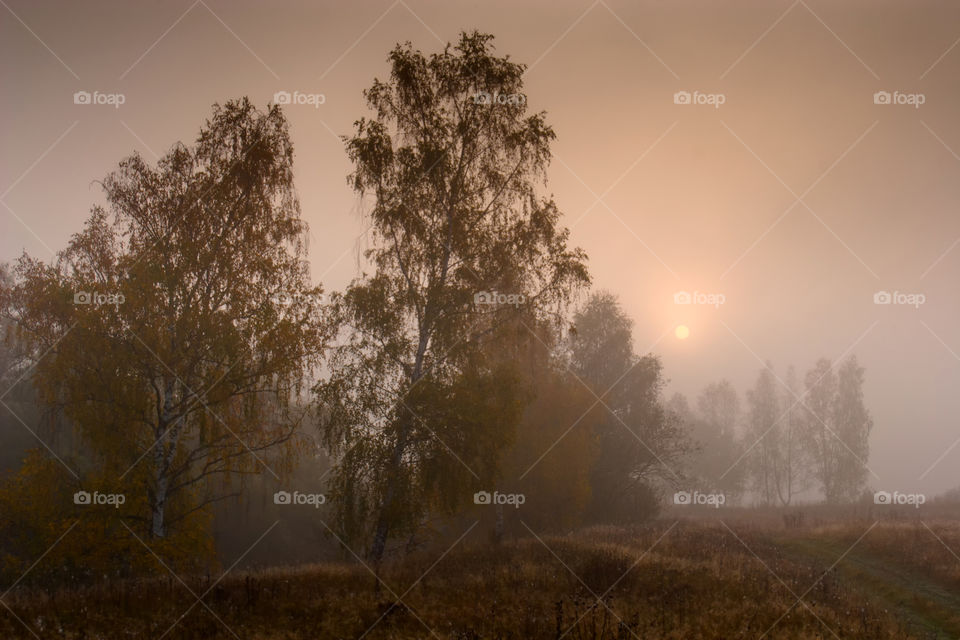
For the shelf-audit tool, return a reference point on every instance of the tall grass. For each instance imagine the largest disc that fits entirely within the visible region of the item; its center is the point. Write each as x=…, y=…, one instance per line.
x=687, y=579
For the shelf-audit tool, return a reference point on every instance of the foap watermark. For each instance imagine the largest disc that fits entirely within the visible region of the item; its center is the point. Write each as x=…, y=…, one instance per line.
x=484, y=97
x=495, y=297
x=687, y=498
x=699, y=297
x=111, y=99
x=712, y=99
x=98, y=299
x=96, y=498
x=485, y=497
x=897, y=498
x=898, y=97
x=312, y=499
x=287, y=298
x=910, y=299
x=310, y=99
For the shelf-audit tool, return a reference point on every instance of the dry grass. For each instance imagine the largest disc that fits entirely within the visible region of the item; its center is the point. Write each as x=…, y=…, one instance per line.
x=698, y=581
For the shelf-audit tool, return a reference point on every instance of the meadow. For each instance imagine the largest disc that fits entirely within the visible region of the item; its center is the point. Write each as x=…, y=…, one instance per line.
x=798, y=574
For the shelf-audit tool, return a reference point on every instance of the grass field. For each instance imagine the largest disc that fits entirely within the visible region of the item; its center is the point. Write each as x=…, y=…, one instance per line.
x=716, y=578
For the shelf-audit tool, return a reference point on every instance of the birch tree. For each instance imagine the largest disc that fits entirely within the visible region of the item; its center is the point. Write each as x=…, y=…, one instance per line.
x=838, y=428
x=176, y=330
x=462, y=247
x=764, y=436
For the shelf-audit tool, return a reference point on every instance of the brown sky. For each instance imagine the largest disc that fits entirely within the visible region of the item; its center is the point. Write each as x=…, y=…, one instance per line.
x=694, y=197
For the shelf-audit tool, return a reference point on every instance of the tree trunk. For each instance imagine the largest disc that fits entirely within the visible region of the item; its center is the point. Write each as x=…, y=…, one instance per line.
x=382, y=529
x=158, y=501
x=166, y=436
x=158, y=528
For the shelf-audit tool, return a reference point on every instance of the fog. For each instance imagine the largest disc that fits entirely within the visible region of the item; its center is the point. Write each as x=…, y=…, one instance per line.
x=798, y=198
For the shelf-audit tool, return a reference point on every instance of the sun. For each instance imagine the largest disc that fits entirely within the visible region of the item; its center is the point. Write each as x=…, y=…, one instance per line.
x=682, y=332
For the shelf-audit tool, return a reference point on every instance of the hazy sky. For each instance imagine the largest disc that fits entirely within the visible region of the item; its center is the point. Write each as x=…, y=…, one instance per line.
x=797, y=198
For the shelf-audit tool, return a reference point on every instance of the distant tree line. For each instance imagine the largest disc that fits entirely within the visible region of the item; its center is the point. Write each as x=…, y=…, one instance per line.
x=789, y=441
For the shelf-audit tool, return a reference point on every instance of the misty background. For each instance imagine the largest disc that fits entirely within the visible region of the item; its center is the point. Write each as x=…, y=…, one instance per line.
x=797, y=199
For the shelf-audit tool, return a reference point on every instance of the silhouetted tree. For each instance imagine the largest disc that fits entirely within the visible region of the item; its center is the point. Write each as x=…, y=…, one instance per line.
x=837, y=428
x=712, y=427
x=793, y=470
x=763, y=437
x=778, y=459
x=639, y=442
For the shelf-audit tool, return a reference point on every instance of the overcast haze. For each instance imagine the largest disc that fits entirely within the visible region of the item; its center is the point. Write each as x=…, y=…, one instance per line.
x=797, y=199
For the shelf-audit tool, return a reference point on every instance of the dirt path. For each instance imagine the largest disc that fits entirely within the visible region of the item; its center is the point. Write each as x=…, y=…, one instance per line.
x=924, y=605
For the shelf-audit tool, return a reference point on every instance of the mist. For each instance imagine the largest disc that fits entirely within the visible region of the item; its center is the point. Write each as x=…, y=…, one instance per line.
x=695, y=198
x=756, y=186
